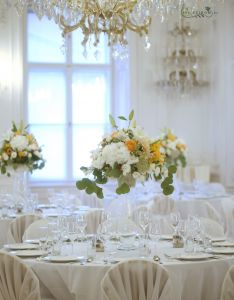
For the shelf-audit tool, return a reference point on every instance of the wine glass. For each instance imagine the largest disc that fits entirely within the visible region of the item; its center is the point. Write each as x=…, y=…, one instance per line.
x=175, y=218
x=81, y=223
x=143, y=219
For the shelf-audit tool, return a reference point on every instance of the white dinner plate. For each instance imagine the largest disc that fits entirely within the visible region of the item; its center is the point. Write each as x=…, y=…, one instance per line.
x=218, y=239
x=29, y=253
x=223, y=244
x=35, y=241
x=194, y=256
x=63, y=259
x=220, y=250
x=21, y=246
x=45, y=206
x=166, y=237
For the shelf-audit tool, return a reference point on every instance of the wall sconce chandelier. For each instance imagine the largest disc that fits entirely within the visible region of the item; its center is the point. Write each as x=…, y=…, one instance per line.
x=111, y=17
x=182, y=65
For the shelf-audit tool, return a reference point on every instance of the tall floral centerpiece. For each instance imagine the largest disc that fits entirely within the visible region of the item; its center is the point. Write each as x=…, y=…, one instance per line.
x=174, y=148
x=19, y=154
x=127, y=155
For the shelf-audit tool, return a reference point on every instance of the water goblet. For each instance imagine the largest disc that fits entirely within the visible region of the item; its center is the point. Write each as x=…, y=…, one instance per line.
x=82, y=223
x=143, y=219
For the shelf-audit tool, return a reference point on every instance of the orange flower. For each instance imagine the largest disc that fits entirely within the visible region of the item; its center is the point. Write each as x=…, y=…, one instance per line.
x=8, y=151
x=131, y=145
x=22, y=154
x=155, y=146
x=157, y=156
x=171, y=137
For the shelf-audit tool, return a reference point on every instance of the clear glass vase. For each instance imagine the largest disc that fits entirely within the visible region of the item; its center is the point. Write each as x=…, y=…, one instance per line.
x=19, y=188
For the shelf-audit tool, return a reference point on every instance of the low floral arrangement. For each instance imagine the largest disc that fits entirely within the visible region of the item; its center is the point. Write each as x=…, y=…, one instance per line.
x=18, y=149
x=174, y=148
x=127, y=155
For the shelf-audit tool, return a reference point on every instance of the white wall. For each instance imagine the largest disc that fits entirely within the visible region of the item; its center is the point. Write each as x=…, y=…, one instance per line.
x=205, y=121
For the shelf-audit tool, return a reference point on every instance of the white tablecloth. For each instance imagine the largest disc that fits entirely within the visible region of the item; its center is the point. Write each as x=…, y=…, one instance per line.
x=199, y=280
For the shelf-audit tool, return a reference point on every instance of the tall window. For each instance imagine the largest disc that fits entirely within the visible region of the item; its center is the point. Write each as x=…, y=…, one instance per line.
x=68, y=96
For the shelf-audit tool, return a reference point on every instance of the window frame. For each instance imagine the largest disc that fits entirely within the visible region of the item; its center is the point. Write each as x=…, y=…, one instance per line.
x=67, y=68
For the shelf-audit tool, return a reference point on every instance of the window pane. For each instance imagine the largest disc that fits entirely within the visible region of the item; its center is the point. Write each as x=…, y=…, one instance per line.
x=90, y=91
x=52, y=138
x=44, y=40
x=46, y=97
x=85, y=139
x=95, y=55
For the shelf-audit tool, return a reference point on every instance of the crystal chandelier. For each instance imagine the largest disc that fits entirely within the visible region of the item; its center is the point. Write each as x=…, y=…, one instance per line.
x=114, y=18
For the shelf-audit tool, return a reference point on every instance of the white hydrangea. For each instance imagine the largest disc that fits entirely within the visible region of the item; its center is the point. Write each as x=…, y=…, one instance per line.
x=116, y=153
x=5, y=156
x=126, y=168
x=33, y=147
x=19, y=142
x=157, y=171
x=13, y=155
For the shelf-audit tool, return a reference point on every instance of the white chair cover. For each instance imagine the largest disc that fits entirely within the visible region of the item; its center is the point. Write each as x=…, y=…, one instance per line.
x=122, y=226
x=17, y=281
x=18, y=227
x=200, y=208
x=94, y=219
x=162, y=205
x=212, y=228
x=136, y=280
x=33, y=231
x=165, y=226
x=227, y=292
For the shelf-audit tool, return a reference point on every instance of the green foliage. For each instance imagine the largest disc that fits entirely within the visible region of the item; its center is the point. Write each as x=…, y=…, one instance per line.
x=112, y=121
x=90, y=187
x=131, y=115
x=122, y=118
x=123, y=189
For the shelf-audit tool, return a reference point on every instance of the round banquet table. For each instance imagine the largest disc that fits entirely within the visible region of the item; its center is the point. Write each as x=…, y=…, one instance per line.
x=191, y=280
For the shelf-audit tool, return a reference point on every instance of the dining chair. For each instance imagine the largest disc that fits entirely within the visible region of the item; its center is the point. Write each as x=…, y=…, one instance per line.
x=18, y=227
x=227, y=291
x=136, y=280
x=17, y=280
x=161, y=205
x=212, y=228
x=197, y=207
x=94, y=219
x=33, y=231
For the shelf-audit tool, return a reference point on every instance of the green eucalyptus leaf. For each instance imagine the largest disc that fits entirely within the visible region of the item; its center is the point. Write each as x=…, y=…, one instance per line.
x=81, y=185
x=123, y=189
x=131, y=115
x=122, y=118
x=168, y=190
x=112, y=121
x=172, y=169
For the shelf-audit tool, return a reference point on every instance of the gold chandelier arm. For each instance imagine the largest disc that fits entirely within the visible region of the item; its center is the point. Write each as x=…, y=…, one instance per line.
x=140, y=29
x=69, y=28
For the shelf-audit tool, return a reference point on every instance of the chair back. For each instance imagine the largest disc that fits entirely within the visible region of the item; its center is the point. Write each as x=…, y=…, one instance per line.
x=94, y=219
x=17, y=281
x=18, y=227
x=136, y=280
x=162, y=205
x=227, y=292
x=34, y=230
x=212, y=228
